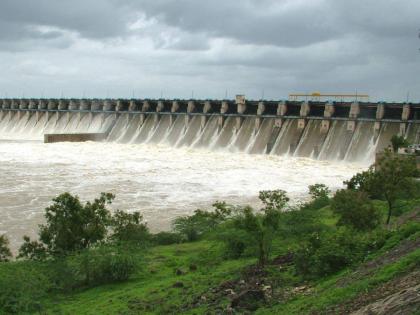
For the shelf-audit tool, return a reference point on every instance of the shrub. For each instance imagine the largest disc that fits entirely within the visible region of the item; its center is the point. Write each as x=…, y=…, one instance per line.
x=327, y=253
x=188, y=226
x=129, y=227
x=319, y=191
x=5, y=253
x=365, y=182
x=236, y=242
x=247, y=229
x=166, y=238
x=274, y=199
x=258, y=230
x=301, y=221
x=22, y=286
x=202, y=222
x=102, y=265
x=32, y=250
x=398, y=142
x=320, y=196
x=355, y=210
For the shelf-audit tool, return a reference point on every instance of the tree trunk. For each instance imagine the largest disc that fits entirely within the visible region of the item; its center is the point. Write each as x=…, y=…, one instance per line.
x=389, y=213
x=262, y=253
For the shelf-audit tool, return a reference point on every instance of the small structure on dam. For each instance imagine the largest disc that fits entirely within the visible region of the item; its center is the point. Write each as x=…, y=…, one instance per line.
x=338, y=129
x=74, y=137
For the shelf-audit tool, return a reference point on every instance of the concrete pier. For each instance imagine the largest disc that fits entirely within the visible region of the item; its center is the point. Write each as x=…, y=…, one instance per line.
x=63, y=105
x=329, y=110
x=260, y=112
x=354, y=113
x=96, y=105
x=241, y=108
x=85, y=105
x=304, y=112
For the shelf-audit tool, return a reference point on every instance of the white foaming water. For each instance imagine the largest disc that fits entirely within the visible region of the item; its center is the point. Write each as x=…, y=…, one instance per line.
x=160, y=181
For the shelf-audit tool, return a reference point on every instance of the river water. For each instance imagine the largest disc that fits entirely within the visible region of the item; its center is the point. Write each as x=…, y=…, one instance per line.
x=161, y=182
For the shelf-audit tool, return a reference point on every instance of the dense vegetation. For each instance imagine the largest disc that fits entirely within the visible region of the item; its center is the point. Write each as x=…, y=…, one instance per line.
x=314, y=257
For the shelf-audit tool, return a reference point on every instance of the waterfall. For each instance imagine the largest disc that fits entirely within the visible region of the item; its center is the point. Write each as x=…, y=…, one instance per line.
x=311, y=141
x=215, y=132
x=258, y=144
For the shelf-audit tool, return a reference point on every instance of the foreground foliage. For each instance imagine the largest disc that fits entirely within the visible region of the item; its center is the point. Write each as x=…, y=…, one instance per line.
x=317, y=257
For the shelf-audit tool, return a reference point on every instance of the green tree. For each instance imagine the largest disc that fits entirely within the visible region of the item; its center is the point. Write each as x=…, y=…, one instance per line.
x=319, y=191
x=394, y=177
x=390, y=179
x=129, y=227
x=328, y=252
x=274, y=199
x=355, y=209
x=71, y=226
x=201, y=222
x=187, y=226
x=366, y=182
x=32, y=250
x=5, y=253
x=320, y=196
x=259, y=228
x=398, y=142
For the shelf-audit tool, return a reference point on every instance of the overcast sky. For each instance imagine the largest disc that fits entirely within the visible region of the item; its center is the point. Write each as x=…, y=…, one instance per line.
x=115, y=48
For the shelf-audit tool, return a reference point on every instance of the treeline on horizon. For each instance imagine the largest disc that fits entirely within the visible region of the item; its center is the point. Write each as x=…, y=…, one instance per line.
x=82, y=246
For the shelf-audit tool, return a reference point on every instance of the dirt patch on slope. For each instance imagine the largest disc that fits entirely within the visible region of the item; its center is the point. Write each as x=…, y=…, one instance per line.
x=400, y=294
x=369, y=267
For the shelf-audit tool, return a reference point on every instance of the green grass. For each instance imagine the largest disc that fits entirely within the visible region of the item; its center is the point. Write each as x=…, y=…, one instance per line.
x=327, y=293
x=151, y=291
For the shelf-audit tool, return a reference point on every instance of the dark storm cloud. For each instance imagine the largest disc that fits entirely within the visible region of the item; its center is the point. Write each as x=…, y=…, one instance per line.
x=90, y=18
x=210, y=46
x=282, y=23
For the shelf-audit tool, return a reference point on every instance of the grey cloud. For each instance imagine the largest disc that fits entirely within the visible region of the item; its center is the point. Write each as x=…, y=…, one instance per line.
x=209, y=46
x=91, y=18
x=258, y=22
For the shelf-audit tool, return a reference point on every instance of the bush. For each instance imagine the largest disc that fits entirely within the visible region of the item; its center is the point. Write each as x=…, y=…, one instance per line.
x=235, y=241
x=329, y=252
x=5, y=253
x=32, y=250
x=301, y=221
x=202, y=222
x=188, y=226
x=319, y=191
x=365, y=182
x=398, y=142
x=102, y=265
x=166, y=238
x=129, y=227
x=355, y=210
x=253, y=230
x=274, y=199
x=22, y=286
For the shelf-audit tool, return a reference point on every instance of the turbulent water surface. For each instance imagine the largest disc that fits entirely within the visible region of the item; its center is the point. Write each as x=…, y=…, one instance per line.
x=160, y=181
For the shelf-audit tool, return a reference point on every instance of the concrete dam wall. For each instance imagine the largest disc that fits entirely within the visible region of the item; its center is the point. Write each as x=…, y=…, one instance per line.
x=351, y=131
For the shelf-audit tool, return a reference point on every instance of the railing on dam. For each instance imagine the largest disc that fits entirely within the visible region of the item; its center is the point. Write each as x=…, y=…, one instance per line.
x=240, y=107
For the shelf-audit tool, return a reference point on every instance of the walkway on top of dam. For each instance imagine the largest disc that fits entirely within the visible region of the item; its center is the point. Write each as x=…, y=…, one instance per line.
x=323, y=110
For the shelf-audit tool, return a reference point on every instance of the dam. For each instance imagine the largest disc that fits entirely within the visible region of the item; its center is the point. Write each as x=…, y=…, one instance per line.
x=166, y=158
x=322, y=130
